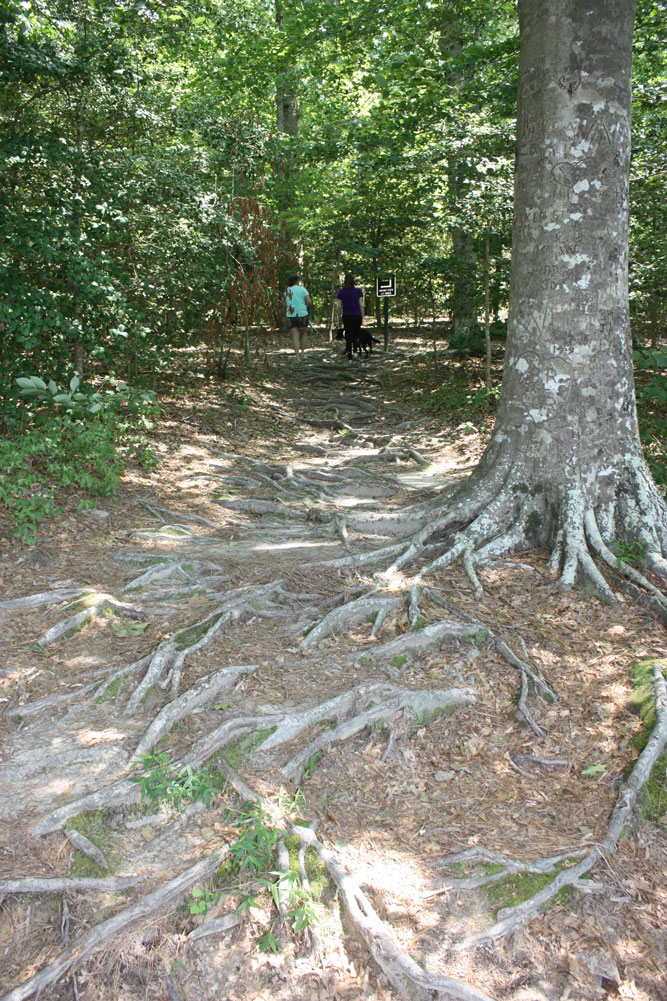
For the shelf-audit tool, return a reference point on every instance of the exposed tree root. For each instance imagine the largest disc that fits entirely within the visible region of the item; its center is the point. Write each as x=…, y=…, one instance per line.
x=206, y=690
x=506, y=866
x=511, y=918
x=67, y=590
x=393, y=699
x=345, y=506
x=283, y=727
x=105, y=884
x=89, y=606
x=410, y=644
x=170, y=656
x=361, y=610
x=99, y=936
x=409, y=979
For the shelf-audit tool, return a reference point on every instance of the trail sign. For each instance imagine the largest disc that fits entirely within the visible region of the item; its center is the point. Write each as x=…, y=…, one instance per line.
x=385, y=287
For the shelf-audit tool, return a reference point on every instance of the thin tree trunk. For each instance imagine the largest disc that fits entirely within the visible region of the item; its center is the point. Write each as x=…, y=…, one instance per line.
x=78, y=347
x=487, y=319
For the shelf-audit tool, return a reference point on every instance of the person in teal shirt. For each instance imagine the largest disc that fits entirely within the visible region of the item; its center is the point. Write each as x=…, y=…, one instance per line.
x=297, y=302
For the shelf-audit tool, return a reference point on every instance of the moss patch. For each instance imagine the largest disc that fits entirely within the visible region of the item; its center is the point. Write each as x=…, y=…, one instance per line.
x=427, y=716
x=94, y=825
x=110, y=692
x=399, y=661
x=322, y=890
x=652, y=800
x=520, y=886
x=239, y=749
x=188, y=637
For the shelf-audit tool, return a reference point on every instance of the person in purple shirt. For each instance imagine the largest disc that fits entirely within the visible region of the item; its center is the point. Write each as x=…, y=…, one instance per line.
x=350, y=306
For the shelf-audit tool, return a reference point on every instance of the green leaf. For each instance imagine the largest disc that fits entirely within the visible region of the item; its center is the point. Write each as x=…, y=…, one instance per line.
x=594, y=770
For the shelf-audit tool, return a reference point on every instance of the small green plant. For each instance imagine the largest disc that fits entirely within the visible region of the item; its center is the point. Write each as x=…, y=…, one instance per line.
x=240, y=398
x=594, y=771
x=253, y=855
x=269, y=943
x=255, y=848
x=161, y=781
x=126, y=627
x=631, y=553
x=200, y=900
x=310, y=764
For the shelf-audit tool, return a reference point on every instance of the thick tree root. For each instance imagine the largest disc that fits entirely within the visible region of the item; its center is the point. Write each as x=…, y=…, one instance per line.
x=170, y=656
x=282, y=727
x=361, y=610
x=414, y=643
x=67, y=590
x=99, y=936
x=511, y=918
x=106, y=884
x=206, y=690
x=394, y=699
x=93, y=605
x=409, y=979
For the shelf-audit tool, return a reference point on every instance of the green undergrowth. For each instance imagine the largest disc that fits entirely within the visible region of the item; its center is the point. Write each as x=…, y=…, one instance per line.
x=54, y=443
x=250, y=871
x=250, y=868
x=161, y=781
x=456, y=393
x=652, y=800
x=650, y=370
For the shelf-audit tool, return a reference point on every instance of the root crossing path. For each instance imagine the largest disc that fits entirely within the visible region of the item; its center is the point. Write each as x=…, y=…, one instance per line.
x=249, y=752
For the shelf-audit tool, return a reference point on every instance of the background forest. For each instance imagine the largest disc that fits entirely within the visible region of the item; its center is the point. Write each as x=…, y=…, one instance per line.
x=164, y=166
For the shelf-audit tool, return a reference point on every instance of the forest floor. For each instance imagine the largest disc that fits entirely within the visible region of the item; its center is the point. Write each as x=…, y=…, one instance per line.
x=261, y=481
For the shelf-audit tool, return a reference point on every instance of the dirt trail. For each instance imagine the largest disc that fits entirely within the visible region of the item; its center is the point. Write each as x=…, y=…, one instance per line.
x=226, y=611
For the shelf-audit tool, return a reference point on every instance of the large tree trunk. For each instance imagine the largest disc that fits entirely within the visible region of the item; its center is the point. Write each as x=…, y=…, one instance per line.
x=564, y=467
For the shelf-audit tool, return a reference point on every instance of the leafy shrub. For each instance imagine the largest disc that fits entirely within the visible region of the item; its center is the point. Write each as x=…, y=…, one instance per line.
x=650, y=366
x=78, y=437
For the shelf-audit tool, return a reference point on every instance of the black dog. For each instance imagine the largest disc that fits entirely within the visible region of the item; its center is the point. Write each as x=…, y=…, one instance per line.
x=366, y=342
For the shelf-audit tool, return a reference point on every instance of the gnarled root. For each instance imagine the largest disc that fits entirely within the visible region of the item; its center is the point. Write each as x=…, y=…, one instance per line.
x=511, y=918
x=410, y=980
x=98, y=937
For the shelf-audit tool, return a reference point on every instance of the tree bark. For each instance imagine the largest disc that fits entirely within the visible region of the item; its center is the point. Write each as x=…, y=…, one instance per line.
x=564, y=467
